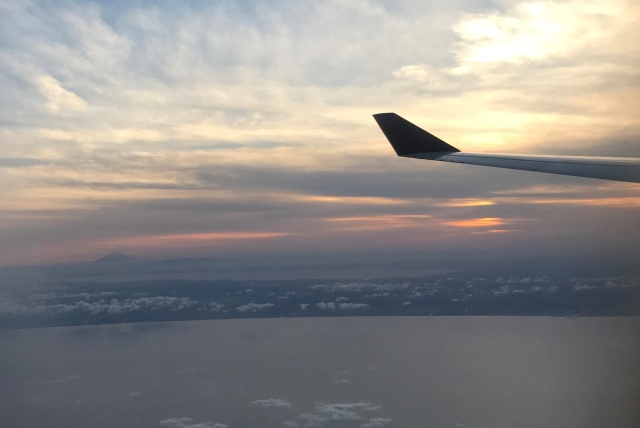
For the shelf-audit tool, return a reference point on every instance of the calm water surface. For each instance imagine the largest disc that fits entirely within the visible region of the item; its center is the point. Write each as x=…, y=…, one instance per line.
x=326, y=372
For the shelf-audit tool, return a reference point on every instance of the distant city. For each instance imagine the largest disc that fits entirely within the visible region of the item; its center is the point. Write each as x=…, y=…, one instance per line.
x=91, y=302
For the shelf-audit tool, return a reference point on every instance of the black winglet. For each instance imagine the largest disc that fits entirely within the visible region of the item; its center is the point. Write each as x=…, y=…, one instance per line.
x=407, y=139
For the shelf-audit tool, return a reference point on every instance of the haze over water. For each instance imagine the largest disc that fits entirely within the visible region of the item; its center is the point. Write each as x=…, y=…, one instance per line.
x=347, y=372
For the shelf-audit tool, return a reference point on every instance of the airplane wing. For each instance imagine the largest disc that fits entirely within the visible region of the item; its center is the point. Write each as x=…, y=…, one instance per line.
x=408, y=140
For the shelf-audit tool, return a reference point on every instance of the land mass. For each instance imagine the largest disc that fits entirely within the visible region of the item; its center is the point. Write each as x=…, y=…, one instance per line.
x=88, y=303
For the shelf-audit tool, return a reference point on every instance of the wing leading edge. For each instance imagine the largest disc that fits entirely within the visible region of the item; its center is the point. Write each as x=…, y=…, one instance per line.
x=408, y=140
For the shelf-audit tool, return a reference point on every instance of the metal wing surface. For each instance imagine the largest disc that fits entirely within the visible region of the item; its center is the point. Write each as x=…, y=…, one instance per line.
x=408, y=140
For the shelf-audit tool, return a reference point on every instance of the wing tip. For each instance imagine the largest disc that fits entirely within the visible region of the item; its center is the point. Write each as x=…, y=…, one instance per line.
x=408, y=139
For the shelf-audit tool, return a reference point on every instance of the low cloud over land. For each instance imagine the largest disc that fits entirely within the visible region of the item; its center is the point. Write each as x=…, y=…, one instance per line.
x=82, y=303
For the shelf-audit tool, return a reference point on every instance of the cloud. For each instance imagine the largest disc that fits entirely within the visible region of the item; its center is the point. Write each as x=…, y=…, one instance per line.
x=353, y=305
x=576, y=48
x=584, y=287
x=325, y=305
x=536, y=31
x=476, y=222
x=344, y=411
x=253, y=307
x=189, y=423
x=215, y=307
x=376, y=423
x=59, y=100
x=116, y=306
x=20, y=162
x=71, y=378
x=271, y=403
x=245, y=129
x=339, y=413
x=359, y=286
x=344, y=306
x=587, y=284
x=311, y=420
x=9, y=305
x=378, y=222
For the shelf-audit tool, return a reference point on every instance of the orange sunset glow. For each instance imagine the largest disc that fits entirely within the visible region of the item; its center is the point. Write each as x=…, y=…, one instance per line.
x=186, y=239
x=477, y=222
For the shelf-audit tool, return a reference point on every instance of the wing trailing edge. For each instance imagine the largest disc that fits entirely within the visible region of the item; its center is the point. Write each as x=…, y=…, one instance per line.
x=409, y=140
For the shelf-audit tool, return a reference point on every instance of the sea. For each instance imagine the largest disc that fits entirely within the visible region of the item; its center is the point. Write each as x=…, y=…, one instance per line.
x=366, y=372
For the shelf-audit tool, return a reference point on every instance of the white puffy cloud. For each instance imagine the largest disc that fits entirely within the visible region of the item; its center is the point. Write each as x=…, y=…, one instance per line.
x=325, y=305
x=353, y=305
x=335, y=414
x=253, y=307
x=584, y=284
x=215, y=307
x=116, y=306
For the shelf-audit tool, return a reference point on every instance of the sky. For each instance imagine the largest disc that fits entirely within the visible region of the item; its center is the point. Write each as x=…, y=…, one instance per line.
x=243, y=129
